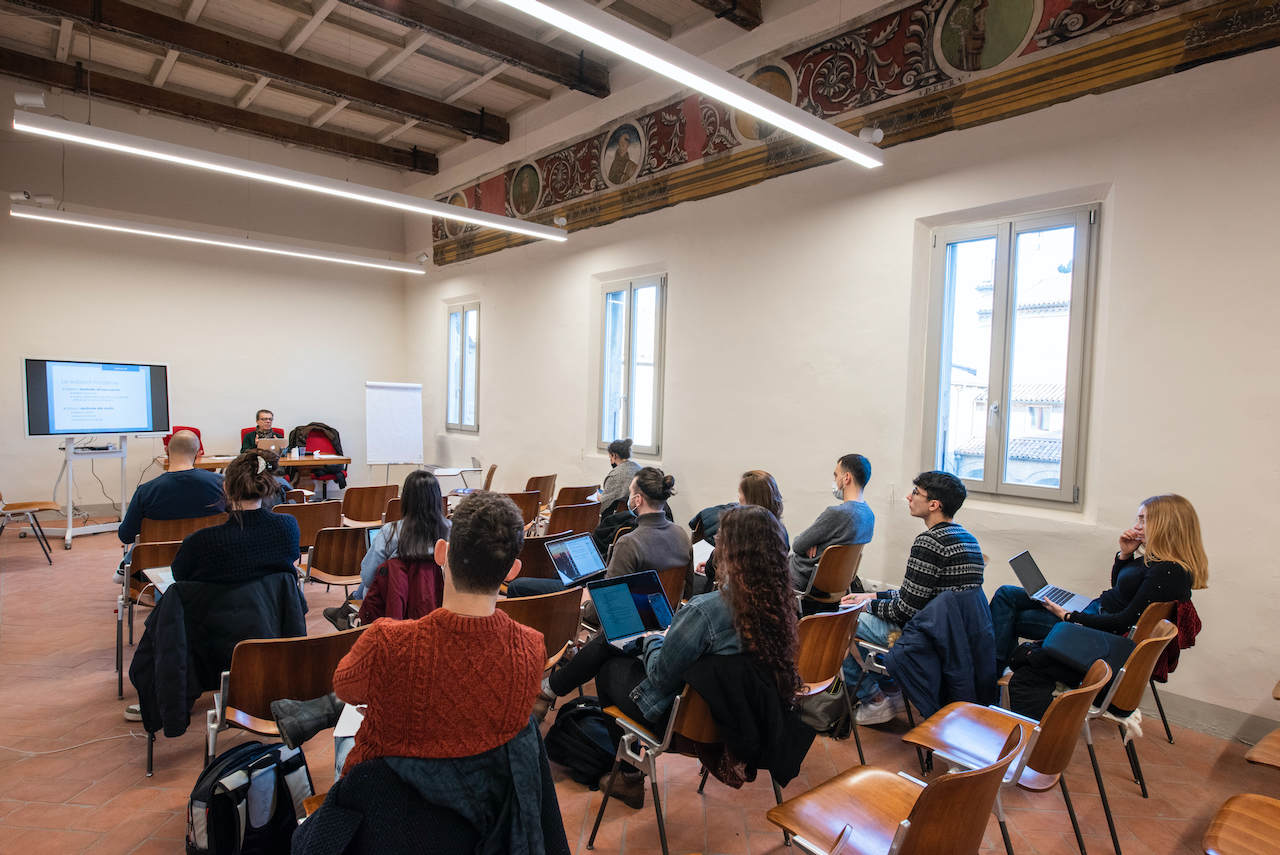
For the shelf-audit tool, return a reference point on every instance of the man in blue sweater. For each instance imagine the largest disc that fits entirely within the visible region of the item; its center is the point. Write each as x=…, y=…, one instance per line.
x=944, y=557
x=849, y=522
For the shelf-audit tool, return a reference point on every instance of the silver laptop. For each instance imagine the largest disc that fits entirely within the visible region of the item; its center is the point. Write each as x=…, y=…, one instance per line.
x=576, y=559
x=161, y=577
x=630, y=606
x=278, y=444
x=1039, y=589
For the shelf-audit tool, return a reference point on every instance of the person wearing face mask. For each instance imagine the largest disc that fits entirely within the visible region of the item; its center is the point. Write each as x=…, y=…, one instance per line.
x=619, y=478
x=849, y=522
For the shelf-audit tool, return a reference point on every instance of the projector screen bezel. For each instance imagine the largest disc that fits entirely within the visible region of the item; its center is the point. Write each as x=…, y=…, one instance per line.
x=26, y=400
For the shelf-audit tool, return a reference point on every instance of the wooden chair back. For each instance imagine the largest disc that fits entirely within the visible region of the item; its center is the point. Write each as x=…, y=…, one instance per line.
x=556, y=615
x=693, y=720
x=527, y=502
x=624, y=529
x=672, y=579
x=535, y=561
x=579, y=519
x=544, y=486
x=338, y=551
x=824, y=643
x=1061, y=724
x=147, y=555
x=298, y=496
x=271, y=669
x=1151, y=616
x=488, y=478
x=1131, y=685
x=574, y=495
x=392, y=513
x=837, y=568
x=312, y=517
x=158, y=531
x=951, y=813
x=699, y=531
x=366, y=504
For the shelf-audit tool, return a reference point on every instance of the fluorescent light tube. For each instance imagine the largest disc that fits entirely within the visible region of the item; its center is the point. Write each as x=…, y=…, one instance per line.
x=53, y=216
x=62, y=129
x=606, y=31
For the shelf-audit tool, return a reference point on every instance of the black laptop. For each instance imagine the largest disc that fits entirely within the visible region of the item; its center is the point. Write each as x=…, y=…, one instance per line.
x=630, y=606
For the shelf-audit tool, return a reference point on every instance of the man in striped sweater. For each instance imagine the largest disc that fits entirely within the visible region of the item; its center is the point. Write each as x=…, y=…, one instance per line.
x=944, y=557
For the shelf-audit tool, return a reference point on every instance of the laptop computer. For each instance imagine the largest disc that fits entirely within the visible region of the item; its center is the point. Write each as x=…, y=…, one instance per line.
x=576, y=559
x=1037, y=588
x=272, y=443
x=630, y=606
x=161, y=577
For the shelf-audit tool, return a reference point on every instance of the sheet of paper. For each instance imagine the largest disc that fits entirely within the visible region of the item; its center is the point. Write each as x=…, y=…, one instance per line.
x=701, y=552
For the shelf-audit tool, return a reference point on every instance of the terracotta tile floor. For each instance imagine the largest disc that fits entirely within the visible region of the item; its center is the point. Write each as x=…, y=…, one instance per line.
x=58, y=690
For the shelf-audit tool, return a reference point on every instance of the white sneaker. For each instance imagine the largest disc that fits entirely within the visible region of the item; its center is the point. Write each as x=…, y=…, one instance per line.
x=118, y=579
x=875, y=712
x=133, y=712
x=899, y=702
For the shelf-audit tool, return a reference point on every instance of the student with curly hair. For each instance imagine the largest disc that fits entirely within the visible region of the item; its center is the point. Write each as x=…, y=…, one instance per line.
x=753, y=613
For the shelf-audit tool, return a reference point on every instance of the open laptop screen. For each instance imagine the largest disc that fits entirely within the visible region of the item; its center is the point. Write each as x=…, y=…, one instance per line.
x=576, y=559
x=630, y=605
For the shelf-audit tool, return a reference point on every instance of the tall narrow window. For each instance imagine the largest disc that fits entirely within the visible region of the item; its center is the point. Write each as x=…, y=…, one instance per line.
x=631, y=363
x=464, y=359
x=1008, y=369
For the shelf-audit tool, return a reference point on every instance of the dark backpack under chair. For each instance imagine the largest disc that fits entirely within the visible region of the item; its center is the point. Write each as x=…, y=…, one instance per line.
x=248, y=801
x=579, y=740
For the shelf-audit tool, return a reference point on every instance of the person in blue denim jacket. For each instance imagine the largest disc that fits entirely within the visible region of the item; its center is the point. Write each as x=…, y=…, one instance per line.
x=752, y=613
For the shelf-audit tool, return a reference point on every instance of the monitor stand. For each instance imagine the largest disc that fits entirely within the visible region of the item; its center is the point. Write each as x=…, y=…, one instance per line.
x=73, y=454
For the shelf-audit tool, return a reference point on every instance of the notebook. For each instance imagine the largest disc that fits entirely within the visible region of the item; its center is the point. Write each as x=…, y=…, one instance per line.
x=576, y=559
x=630, y=606
x=1036, y=586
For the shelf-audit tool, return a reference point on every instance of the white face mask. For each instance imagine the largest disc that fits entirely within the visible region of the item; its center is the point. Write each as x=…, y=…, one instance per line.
x=837, y=490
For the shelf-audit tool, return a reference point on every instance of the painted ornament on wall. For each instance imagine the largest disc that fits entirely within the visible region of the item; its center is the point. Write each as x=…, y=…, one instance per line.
x=776, y=80
x=526, y=188
x=977, y=35
x=623, y=153
x=453, y=228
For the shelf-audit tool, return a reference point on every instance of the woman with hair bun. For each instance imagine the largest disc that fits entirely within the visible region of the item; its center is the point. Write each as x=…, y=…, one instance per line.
x=619, y=478
x=254, y=541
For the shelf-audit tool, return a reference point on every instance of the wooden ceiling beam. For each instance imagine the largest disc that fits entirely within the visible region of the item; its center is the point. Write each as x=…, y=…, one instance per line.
x=169, y=33
x=62, y=43
x=744, y=13
x=50, y=73
x=495, y=42
x=302, y=30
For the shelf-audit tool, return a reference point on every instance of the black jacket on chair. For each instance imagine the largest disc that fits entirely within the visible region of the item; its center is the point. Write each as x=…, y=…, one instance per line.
x=947, y=653
x=756, y=727
x=191, y=634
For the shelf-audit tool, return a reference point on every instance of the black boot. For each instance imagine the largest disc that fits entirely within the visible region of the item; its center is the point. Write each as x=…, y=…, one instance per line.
x=298, y=721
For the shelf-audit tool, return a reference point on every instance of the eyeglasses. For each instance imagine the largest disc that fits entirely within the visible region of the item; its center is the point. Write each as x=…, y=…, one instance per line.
x=265, y=419
x=916, y=491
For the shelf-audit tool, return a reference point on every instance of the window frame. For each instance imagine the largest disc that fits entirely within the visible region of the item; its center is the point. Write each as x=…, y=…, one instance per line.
x=1085, y=219
x=630, y=285
x=450, y=311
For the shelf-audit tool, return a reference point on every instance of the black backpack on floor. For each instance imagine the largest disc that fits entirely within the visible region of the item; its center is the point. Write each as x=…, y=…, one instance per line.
x=248, y=801
x=579, y=740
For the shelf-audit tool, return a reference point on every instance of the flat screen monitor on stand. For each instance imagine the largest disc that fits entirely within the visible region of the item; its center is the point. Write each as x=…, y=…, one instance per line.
x=71, y=399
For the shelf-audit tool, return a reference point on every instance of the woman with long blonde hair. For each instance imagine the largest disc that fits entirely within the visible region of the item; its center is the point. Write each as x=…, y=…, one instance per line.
x=1161, y=559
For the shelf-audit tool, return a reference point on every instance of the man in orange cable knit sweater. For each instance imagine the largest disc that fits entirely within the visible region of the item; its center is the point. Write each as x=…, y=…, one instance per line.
x=462, y=680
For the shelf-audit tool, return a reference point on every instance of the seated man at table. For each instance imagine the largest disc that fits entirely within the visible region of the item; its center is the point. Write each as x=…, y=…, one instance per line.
x=457, y=685
x=184, y=492
x=263, y=430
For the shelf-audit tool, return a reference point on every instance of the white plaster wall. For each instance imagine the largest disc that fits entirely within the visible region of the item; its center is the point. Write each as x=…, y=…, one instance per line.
x=795, y=333
x=239, y=330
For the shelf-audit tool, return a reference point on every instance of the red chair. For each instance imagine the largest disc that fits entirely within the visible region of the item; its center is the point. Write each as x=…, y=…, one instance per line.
x=194, y=430
x=317, y=441
x=246, y=431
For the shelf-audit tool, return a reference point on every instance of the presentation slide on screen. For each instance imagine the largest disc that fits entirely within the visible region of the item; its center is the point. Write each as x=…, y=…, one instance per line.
x=87, y=397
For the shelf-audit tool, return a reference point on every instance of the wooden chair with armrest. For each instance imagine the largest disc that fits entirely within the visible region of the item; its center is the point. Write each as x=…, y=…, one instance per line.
x=967, y=737
x=867, y=810
x=12, y=511
x=1267, y=751
x=1130, y=685
x=1147, y=621
x=298, y=496
x=272, y=669
x=834, y=574
x=555, y=615
x=335, y=558
x=578, y=519
x=691, y=718
x=312, y=517
x=527, y=502
x=362, y=507
x=544, y=486
x=575, y=495
x=393, y=512
x=824, y=643
x=535, y=561
x=1246, y=824
x=143, y=557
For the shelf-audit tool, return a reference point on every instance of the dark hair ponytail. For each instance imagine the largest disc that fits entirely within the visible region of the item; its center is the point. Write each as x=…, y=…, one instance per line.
x=250, y=476
x=654, y=485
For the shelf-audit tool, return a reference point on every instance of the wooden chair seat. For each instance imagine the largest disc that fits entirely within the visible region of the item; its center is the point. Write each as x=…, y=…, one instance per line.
x=575, y=495
x=335, y=558
x=872, y=801
x=1267, y=751
x=1246, y=824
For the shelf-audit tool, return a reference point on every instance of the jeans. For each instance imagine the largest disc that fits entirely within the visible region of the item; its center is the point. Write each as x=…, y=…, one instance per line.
x=1015, y=615
x=876, y=630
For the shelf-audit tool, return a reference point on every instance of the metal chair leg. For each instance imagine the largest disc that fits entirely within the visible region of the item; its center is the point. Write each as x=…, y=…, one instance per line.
x=1071, y=811
x=777, y=794
x=120, y=647
x=1004, y=827
x=40, y=538
x=1102, y=790
x=129, y=603
x=1163, y=718
x=151, y=743
x=613, y=776
x=1132, y=751
x=853, y=724
x=703, y=782
x=657, y=802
